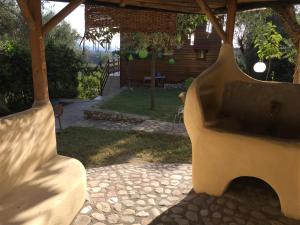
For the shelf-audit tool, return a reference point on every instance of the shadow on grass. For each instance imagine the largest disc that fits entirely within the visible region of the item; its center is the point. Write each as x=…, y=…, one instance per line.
x=96, y=147
x=138, y=102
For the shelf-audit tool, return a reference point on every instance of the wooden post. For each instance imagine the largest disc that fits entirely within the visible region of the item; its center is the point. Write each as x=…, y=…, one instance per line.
x=212, y=18
x=39, y=69
x=296, y=76
x=231, y=13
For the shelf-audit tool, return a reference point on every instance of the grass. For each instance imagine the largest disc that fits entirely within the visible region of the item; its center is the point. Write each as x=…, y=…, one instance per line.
x=96, y=147
x=138, y=102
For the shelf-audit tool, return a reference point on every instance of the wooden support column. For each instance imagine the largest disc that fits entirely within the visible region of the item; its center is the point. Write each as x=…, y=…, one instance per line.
x=231, y=13
x=32, y=9
x=212, y=18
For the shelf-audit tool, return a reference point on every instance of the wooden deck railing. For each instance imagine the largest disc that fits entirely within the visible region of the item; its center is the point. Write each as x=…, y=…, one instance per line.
x=112, y=66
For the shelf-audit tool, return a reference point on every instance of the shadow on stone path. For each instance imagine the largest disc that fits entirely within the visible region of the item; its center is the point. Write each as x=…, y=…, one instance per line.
x=149, y=126
x=161, y=194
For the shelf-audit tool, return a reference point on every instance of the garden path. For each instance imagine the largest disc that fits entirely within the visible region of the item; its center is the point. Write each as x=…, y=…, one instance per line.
x=73, y=111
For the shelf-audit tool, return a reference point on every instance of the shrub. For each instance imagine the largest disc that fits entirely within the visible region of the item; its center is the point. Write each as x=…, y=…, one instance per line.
x=63, y=65
x=16, y=92
x=89, y=84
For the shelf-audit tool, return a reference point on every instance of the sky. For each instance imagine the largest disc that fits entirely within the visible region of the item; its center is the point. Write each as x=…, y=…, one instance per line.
x=76, y=19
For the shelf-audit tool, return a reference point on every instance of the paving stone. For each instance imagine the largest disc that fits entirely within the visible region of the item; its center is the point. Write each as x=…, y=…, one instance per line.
x=141, y=202
x=128, y=219
x=181, y=221
x=193, y=207
x=82, y=220
x=176, y=177
x=155, y=212
x=204, y=212
x=103, y=207
x=177, y=210
x=128, y=203
x=117, y=207
x=164, y=202
x=228, y=212
x=113, y=218
x=98, y=216
x=258, y=215
x=129, y=212
x=192, y=216
x=216, y=215
x=86, y=210
x=151, y=201
x=142, y=214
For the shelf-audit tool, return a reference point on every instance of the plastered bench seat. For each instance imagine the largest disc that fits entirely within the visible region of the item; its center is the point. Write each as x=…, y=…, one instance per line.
x=52, y=194
x=37, y=186
x=242, y=127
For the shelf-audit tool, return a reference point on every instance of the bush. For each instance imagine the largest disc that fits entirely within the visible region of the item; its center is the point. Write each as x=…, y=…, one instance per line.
x=63, y=65
x=16, y=92
x=89, y=84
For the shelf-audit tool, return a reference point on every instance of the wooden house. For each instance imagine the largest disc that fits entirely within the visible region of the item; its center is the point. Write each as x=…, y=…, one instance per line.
x=199, y=51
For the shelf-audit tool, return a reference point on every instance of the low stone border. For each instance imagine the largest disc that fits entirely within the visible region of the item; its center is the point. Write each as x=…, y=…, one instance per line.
x=108, y=115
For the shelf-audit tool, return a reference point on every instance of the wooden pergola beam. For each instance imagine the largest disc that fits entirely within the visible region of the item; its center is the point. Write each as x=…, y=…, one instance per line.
x=231, y=13
x=27, y=14
x=61, y=15
x=189, y=6
x=213, y=19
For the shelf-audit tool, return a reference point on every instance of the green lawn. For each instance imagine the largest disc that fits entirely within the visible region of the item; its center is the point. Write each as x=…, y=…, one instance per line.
x=138, y=102
x=96, y=147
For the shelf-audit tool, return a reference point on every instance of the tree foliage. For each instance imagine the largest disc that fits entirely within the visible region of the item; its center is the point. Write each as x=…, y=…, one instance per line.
x=268, y=43
x=261, y=37
x=62, y=55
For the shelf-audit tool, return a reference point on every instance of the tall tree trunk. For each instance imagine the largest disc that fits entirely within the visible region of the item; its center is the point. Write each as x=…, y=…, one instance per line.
x=269, y=68
x=128, y=71
x=292, y=27
x=296, y=77
x=153, y=71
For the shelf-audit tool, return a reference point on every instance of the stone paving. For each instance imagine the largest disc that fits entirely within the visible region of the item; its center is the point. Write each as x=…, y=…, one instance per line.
x=160, y=194
x=146, y=126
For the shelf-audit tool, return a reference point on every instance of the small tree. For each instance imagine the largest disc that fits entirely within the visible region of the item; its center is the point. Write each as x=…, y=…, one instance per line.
x=268, y=44
x=142, y=43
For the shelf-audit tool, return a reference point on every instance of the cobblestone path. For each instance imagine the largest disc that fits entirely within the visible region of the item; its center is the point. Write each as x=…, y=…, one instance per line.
x=160, y=194
x=146, y=126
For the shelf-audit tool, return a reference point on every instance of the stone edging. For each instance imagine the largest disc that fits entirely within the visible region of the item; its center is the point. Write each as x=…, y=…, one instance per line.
x=108, y=115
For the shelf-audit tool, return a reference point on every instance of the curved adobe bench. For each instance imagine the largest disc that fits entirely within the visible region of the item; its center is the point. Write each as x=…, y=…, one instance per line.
x=236, y=125
x=38, y=187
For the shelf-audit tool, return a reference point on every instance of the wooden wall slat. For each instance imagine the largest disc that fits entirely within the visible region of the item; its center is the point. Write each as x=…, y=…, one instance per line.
x=186, y=65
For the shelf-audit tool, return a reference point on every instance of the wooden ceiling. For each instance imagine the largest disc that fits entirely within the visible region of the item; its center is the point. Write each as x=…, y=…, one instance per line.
x=187, y=6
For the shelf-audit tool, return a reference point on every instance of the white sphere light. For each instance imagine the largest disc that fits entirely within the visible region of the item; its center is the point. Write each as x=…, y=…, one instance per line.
x=259, y=67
